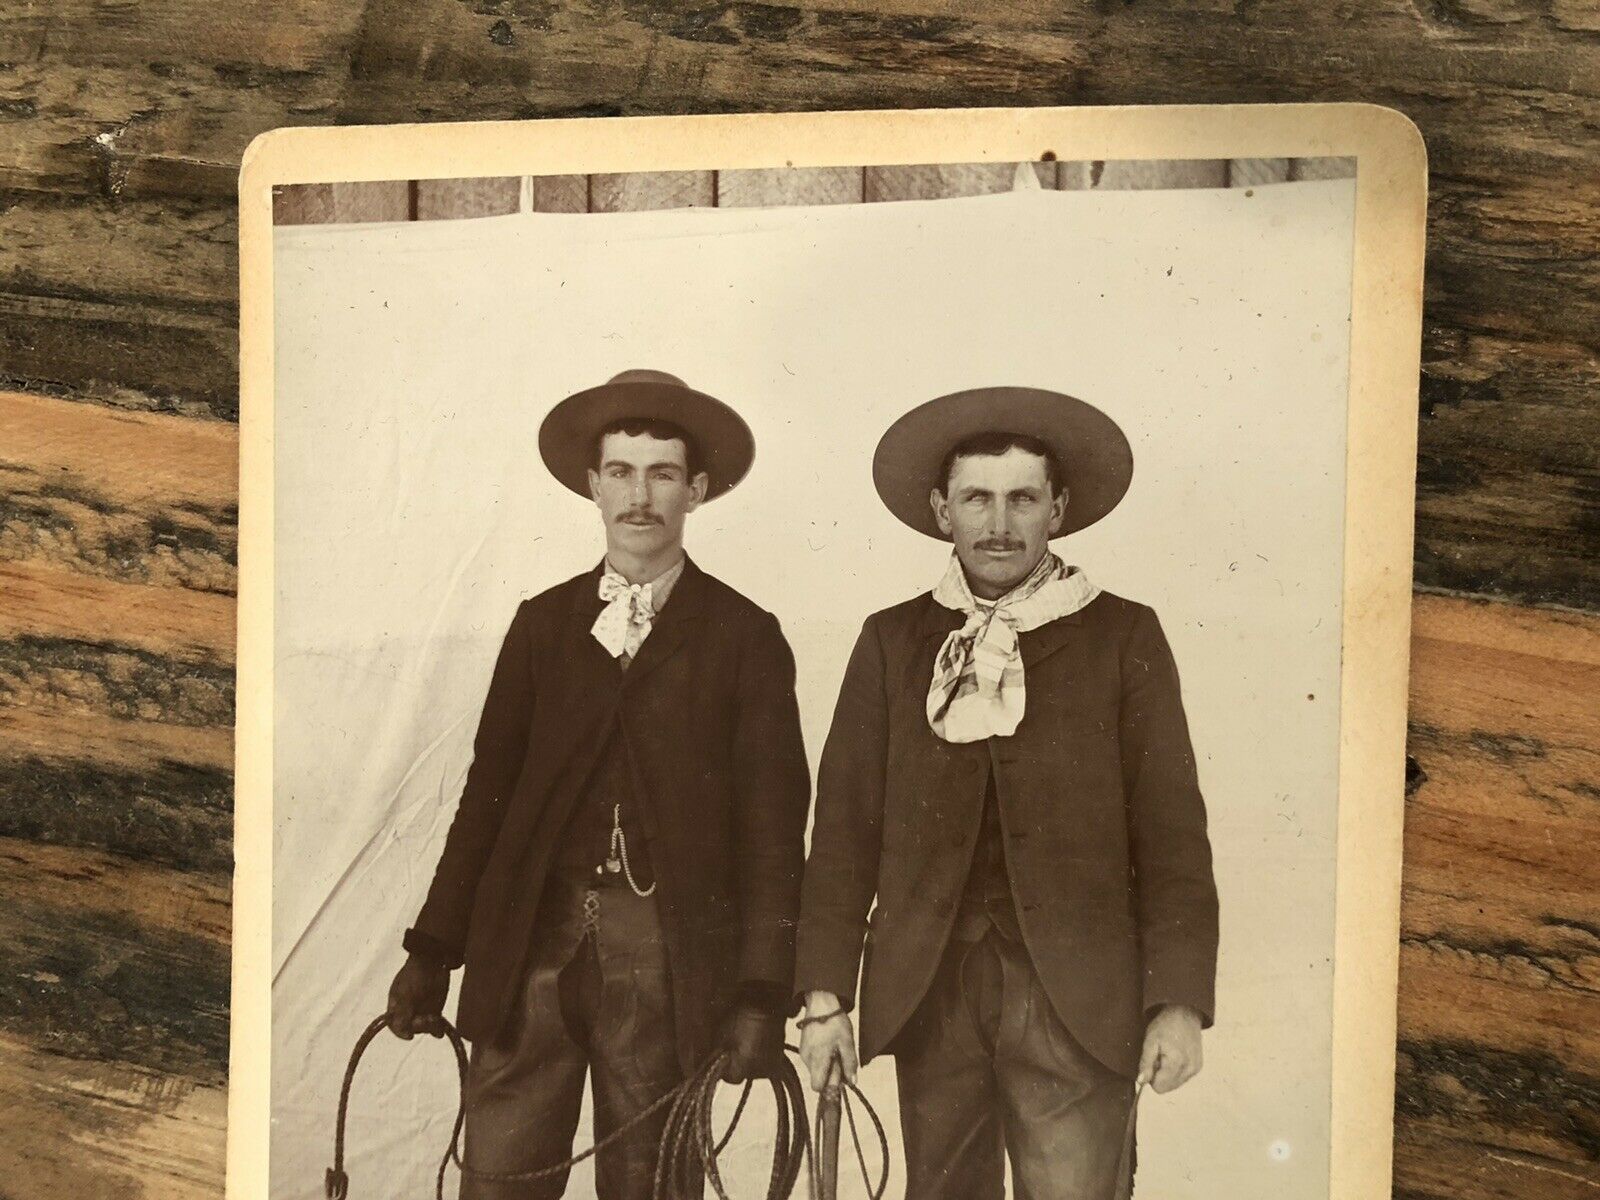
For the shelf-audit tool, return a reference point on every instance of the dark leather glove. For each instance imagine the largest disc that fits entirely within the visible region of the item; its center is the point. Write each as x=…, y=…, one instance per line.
x=753, y=1042
x=416, y=998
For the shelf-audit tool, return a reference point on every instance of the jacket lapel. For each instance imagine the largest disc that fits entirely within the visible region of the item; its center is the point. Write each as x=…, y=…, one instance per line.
x=672, y=625
x=1041, y=643
x=592, y=673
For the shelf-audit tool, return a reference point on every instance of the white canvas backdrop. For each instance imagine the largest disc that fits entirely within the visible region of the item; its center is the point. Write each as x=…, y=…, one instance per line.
x=414, y=362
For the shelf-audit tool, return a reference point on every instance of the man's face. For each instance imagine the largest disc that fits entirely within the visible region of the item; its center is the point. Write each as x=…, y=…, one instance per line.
x=644, y=492
x=1000, y=514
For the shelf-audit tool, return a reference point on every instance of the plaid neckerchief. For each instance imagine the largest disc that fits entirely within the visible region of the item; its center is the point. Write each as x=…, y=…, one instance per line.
x=978, y=689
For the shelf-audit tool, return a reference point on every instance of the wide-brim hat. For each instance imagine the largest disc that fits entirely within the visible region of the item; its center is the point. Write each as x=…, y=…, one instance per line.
x=1095, y=457
x=567, y=437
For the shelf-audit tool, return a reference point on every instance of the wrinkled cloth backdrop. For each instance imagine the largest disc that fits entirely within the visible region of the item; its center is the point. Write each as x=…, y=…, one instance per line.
x=414, y=363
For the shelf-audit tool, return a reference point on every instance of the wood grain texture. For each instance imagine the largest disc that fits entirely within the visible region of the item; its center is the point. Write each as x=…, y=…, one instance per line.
x=349, y=203
x=123, y=126
x=448, y=199
x=560, y=193
x=105, y=117
x=645, y=190
x=127, y=496
x=939, y=180
x=795, y=185
x=1500, y=954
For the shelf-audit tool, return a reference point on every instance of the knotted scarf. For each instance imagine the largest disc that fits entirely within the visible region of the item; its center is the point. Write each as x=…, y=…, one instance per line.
x=625, y=621
x=978, y=689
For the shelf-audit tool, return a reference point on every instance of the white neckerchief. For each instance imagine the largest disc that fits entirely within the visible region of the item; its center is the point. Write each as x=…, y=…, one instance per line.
x=978, y=690
x=630, y=611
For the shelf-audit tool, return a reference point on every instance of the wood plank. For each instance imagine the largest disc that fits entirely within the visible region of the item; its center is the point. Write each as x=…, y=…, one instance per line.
x=173, y=622
x=934, y=181
x=341, y=203
x=1156, y=174
x=116, y=970
x=155, y=792
x=445, y=199
x=96, y=884
x=1326, y=167
x=106, y=1130
x=640, y=190
x=135, y=497
x=1431, y=1164
x=1499, y=981
x=94, y=982
x=1250, y=172
x=560, y=193
x=99, y=103
x=107, y=678
x=134, y=303
x=790, y=186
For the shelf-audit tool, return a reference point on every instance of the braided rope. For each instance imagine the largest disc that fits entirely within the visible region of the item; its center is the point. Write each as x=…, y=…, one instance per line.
x=689, y=1145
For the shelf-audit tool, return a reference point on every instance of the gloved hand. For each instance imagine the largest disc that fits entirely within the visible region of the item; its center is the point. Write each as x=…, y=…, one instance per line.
x=416, y=998
x=753, y=1042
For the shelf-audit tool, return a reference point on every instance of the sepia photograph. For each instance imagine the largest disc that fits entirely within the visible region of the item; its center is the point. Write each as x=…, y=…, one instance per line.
x=836, y=676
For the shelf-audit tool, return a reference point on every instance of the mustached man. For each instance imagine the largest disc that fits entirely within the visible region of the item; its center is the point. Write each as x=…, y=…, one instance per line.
x=1008, y=787
x=622, y=878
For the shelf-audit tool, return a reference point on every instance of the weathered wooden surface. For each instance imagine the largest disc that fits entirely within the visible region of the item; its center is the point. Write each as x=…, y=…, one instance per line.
x=121, y=129
x=1500, y=958
x=123, y=135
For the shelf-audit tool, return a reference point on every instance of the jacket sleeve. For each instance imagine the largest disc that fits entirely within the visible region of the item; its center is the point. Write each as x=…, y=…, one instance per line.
x=440, y=930
x=772, y=793
x=847, y=838
x=1175, y=891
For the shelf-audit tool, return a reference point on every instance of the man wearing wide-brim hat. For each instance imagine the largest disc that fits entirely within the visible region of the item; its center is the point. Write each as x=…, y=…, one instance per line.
x=622, y=877
x=1009, y=776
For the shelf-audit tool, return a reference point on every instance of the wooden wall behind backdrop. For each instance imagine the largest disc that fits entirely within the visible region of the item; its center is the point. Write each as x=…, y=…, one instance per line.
x=123, y=129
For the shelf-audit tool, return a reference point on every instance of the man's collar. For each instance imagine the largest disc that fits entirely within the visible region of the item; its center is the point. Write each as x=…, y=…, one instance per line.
x=664, y=579
x=586, y=596
x=661, y=587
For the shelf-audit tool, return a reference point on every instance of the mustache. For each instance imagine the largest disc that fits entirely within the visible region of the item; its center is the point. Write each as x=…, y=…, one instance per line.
x=998, y=544
x=640, y=515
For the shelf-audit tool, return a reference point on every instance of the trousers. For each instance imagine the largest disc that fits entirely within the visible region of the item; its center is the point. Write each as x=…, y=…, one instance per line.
x=986, y=1070
x=596, y=1001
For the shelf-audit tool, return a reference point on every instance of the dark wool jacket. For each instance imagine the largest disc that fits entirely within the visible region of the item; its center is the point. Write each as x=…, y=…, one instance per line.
x=707, y=713
x=1104, y=826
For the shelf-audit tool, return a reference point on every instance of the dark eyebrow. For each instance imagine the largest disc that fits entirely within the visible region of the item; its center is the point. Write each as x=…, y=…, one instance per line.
x=971, y=490
x=1030, y=492
x=655, y=466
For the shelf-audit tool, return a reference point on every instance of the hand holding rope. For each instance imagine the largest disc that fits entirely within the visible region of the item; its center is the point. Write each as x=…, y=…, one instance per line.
x=689, y=1145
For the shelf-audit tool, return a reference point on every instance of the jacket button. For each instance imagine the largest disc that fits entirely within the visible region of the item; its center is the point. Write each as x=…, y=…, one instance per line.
x=972, y=766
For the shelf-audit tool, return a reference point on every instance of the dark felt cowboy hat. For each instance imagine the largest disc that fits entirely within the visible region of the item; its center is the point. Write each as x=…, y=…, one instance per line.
x=1096, y=460
x=567, y=437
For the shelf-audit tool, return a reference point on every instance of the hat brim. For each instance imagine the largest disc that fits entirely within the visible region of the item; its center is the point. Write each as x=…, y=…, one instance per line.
x=1094, y=453
x=567, y=436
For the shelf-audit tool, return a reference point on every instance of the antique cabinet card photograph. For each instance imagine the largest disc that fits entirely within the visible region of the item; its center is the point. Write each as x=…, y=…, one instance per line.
x=929, y=588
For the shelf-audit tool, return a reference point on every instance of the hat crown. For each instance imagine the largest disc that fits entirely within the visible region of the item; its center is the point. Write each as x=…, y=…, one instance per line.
x=644, y=375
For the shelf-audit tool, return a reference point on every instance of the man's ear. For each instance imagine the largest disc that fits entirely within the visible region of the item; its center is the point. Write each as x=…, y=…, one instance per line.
x=594, y=485
x=697, y=490
x=941, y=510
x=1058, y=511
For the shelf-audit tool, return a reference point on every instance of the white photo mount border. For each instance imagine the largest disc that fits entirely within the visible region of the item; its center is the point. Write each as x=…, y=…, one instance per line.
x=1385, y=363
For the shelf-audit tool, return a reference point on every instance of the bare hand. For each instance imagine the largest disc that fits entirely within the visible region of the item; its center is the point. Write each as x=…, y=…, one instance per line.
x=1171, y=1054
x=416, y=998
x=826, y=1041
